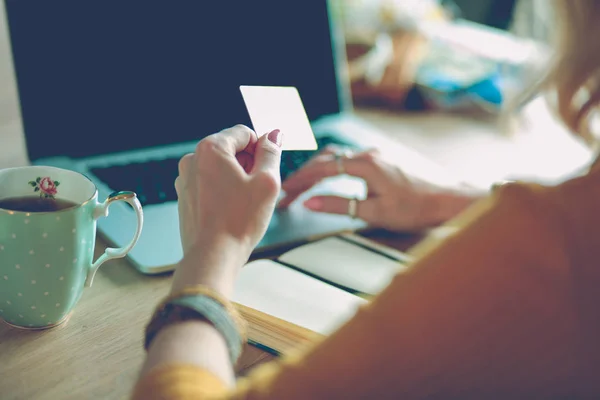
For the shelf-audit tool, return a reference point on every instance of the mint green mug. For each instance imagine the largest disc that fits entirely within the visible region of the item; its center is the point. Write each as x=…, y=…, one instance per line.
x=47, y=237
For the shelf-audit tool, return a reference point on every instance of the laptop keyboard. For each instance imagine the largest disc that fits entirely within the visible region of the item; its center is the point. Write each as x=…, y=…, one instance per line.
x=153, y=180
x=292, y=160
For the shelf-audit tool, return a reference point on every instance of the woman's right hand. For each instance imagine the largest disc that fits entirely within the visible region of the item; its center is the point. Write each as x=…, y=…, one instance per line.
x=227, y=190
x=395, y=200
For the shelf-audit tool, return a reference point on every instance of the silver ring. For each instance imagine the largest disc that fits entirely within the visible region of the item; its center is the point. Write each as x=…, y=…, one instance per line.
x=352, y=207
x=339, y=160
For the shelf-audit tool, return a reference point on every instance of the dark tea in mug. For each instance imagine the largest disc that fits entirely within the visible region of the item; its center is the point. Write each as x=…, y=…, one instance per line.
x=35, y=204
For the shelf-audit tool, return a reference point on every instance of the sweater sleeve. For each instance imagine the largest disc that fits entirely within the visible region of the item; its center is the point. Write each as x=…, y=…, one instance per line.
x=485, y=314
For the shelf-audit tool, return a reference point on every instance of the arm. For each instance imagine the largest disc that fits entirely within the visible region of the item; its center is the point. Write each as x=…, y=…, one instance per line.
x=485, y=314
x=197, y=342
x=445, y=204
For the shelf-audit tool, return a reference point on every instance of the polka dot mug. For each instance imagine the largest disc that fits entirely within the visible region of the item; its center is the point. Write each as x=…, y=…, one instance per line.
x=47, y=236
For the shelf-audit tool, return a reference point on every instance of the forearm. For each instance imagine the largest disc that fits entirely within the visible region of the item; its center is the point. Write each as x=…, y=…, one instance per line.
x=214, y=263
x=445, y=204
x=197, y=342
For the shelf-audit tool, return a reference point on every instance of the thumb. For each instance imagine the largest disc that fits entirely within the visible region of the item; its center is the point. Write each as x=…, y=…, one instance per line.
x=267, y=155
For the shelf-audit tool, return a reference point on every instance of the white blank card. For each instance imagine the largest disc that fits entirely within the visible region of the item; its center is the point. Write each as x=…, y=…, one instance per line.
x=280, y=107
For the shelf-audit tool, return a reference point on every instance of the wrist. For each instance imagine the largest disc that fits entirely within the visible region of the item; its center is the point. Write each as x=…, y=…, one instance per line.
x=447, y=204
x=214, y=262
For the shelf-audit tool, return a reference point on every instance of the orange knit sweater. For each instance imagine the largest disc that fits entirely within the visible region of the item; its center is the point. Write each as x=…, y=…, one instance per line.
x=509, y=307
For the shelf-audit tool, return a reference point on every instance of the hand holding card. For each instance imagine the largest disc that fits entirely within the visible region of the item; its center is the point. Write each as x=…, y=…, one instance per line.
x=279, y=107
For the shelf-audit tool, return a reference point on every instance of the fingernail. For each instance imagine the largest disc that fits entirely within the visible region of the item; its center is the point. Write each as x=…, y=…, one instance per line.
x=275, y=137
x=313, y=203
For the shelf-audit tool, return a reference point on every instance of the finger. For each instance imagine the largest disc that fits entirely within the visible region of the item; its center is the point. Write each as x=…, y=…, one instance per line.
x=185, y=163
x=312, y=173
x=287, y=199
x=235, y=140
x=365, y=209
x=267, y=157
x=331, y=149
x=178, y=186
x=367, y=154
x=246, y=160
x=300, y=181
x=321, y=156
x=326, y=165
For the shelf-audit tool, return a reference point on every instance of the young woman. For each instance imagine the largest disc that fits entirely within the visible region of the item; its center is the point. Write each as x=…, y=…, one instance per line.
x=506, y=308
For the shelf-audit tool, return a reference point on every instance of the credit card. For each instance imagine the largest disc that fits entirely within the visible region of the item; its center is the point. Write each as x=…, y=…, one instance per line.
x=280, y=107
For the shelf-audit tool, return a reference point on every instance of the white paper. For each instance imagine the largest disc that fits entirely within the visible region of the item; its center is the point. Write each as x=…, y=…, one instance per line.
x=345, y=263
x=294, y=297
x=280, y=107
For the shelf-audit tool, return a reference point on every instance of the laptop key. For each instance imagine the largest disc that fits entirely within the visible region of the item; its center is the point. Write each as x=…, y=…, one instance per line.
x=154, y=180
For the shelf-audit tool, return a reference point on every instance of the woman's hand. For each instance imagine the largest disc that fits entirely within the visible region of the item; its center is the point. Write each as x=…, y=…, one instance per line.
x=227, y=191
x=395, y=201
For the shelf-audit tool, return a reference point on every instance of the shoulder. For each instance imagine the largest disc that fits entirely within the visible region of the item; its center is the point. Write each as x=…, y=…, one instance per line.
x=513, y=215
x=570, y=209
x=522, y=195
x=516, y=205
x=532, y=212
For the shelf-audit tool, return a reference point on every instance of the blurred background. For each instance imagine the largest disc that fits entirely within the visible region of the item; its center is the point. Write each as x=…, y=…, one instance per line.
x=434, y=75
x=459, y=56
x=440, y=75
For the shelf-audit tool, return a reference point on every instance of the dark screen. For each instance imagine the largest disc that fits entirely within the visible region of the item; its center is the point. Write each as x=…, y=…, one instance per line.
x=96, y=77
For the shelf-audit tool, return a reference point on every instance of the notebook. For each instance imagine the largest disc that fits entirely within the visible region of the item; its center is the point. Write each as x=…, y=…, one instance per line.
x=312, y=290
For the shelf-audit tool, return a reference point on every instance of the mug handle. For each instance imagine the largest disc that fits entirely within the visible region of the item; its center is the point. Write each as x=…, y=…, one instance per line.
x=112, y=253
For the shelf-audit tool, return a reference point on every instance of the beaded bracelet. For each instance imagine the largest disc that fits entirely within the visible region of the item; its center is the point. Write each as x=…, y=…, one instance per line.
x=200, y=303
x=203, y=290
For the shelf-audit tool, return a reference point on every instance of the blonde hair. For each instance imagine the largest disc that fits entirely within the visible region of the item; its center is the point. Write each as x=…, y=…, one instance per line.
x=575, y=77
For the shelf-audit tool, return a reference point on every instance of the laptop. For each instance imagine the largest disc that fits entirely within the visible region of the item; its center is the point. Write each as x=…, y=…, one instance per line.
x=120, y=90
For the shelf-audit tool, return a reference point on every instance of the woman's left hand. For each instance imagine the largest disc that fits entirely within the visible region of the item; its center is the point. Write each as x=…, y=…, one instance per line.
x=227, y=191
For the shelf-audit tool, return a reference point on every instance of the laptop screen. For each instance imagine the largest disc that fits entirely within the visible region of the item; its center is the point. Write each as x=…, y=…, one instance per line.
x=113, y=75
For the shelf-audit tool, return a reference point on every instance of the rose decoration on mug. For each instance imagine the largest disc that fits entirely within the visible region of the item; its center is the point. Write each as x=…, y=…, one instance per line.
x=45, y=186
